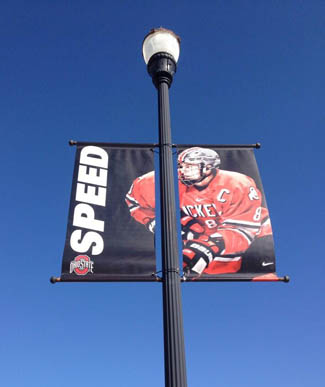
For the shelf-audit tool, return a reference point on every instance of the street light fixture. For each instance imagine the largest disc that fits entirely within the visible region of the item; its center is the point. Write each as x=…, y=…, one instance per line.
x=161, y=49
x=161, y=40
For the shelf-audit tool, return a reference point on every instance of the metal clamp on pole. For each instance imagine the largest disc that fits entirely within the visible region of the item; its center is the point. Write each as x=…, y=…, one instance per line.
x=157, y=277
x=171, y=270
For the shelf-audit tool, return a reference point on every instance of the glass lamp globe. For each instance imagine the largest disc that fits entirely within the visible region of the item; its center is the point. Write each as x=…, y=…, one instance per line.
x=161, y=40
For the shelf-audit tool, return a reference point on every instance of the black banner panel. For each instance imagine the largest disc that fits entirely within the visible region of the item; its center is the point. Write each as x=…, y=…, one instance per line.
x=226, y=229
x=105, y=238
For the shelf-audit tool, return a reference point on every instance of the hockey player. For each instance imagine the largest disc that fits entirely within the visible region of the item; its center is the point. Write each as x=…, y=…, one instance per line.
x=221, y=212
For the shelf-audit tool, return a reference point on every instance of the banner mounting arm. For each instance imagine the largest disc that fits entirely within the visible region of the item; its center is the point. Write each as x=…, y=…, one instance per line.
x=257, y=145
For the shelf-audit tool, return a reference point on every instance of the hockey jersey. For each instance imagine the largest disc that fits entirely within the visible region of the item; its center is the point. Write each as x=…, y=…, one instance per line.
x=229, y=207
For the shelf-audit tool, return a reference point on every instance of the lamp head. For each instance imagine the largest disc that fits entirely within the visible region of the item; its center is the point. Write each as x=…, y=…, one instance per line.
x=161, y=40
x=160, y=51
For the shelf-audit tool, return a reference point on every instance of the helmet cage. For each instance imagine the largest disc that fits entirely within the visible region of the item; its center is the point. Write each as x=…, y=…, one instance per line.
x=194, y=164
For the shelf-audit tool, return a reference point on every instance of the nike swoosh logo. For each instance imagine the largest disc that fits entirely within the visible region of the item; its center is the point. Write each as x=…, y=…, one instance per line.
x=199, y=200
x=267, y=263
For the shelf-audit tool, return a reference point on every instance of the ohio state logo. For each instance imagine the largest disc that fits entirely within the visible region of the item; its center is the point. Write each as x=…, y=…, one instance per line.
x=81, y=265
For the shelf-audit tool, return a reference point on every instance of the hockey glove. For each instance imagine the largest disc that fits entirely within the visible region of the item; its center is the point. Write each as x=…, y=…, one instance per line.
x=197, y=255
x=151, y=225
x=218, y=240
x=191, y=228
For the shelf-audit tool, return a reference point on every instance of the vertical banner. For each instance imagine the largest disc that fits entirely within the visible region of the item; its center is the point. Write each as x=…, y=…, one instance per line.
x=103, y=242
x=226, y=229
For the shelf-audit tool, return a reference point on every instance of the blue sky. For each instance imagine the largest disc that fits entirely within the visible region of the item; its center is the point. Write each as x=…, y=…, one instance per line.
x=248, y=72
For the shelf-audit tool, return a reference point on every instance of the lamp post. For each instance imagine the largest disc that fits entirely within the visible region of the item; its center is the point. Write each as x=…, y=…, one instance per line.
x=161, y=51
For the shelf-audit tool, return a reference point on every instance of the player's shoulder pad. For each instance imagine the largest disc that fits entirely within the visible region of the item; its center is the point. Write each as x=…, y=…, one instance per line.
x=235, y=178
x=147, y=178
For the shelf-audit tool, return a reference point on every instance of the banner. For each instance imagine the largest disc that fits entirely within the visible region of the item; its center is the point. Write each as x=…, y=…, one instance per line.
x=226, y=229
x=105, y=241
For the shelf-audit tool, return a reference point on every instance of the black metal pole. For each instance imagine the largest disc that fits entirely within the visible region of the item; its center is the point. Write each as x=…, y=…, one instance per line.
x=162, y=68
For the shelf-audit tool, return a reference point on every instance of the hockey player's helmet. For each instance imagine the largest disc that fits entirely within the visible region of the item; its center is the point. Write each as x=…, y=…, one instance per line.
x=195, y=164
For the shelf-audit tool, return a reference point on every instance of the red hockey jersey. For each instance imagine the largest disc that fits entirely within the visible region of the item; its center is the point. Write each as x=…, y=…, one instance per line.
x=230, y=206
x=141, y=198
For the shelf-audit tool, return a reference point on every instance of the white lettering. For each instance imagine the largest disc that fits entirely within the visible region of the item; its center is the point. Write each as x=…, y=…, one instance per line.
x=95, y=156
x=221, y=193
x=198, y=208
x=207, y=208
x=257, y=215
x=90, y=239
x=215, y=207
x=189, y=209
x=211, y=223
x=84, y=216
x=91, y=189
x=89, y=195
x=89, y=175
x=185, y=210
